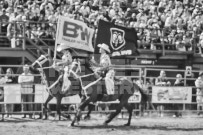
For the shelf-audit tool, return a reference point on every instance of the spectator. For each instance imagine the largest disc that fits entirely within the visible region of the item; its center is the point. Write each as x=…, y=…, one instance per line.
x=199, y=92
x=149, y=84
x=1, y=76
x=161, y=81
x=26, y=80
x=1, y=82
x=9, y=79
x=178, y=82
x=85, y=9
x=4, y=22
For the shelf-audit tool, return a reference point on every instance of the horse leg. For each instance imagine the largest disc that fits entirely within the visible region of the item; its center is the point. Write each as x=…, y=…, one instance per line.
x=80, y=108
x=90, y=108
x=129, y=107
x=58, y=107
x=114, y=114
x=50, y=97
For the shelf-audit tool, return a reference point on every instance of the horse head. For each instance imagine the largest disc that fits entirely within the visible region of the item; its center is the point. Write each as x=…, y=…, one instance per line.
x=43, y=65
x=42, y=61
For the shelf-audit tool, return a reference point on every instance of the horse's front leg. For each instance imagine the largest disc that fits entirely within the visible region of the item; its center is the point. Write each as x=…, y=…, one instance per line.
x=80, y=108
x=58, y=107
x=129, y=107
x=114, y=114
x=50, y=97
x=90, y=108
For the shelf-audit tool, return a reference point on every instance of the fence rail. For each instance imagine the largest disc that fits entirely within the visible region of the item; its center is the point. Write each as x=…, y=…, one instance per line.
x=40, y=94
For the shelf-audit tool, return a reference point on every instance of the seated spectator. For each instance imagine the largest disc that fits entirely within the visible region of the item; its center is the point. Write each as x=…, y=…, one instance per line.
x=4, y=22
x=178, y=41
x=187, y=42
x=26, y=80
x=200, y=45
x=199, y=92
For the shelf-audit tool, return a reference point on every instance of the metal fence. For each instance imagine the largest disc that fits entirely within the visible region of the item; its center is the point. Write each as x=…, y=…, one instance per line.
x=12, y=94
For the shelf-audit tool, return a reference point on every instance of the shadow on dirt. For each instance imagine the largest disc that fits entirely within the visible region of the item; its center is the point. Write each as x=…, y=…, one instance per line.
x=18, y=120
x=164, y=128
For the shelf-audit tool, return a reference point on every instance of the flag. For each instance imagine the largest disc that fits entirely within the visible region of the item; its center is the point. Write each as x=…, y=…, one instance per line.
x=74, y=34
x=122, y=41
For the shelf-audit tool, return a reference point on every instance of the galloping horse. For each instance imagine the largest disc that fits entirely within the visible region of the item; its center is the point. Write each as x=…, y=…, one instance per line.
x=49, y=76
x=126, y=89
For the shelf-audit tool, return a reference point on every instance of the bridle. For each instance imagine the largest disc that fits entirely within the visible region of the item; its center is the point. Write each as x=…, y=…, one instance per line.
x=40, y=61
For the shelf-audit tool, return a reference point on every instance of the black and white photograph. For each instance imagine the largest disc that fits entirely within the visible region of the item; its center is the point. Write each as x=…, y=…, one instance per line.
x=101, y=67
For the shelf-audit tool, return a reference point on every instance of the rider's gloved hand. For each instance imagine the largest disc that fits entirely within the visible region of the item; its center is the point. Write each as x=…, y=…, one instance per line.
x=54, y=65
x=103, y=74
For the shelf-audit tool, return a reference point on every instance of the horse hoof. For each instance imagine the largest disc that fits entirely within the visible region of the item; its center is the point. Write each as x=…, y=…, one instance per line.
x=105, y=124
x=45, y=119
x=127, y=124
x=78, y=123
x=39, y=118
x=71, y=125
x=68, y=117
x=87, y=118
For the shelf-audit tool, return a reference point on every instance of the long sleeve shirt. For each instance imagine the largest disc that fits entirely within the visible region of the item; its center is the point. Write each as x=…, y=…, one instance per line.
x=26, y=78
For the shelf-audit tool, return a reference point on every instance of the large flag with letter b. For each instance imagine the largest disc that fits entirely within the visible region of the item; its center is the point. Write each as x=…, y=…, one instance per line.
x=74, y=33
x=122, y=41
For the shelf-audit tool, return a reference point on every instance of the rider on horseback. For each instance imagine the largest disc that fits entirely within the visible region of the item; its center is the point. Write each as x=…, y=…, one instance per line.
x=65, y=66
x=104, y=68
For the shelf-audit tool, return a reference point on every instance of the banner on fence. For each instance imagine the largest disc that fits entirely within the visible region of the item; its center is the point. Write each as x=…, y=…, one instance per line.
x=41, y=95
x=74, y=33
x=12, y=93
x=171, y=94
x=135, y=98
x=40, y=92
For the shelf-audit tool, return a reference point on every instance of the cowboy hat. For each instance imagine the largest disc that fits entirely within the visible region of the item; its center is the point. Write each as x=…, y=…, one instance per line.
x=105, y=47
x=61, y=47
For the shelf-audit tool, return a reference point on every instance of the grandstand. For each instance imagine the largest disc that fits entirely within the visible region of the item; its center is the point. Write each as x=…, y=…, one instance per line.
x=26, y=36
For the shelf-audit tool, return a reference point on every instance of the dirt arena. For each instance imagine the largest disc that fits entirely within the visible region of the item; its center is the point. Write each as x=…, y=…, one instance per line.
x=188, y=125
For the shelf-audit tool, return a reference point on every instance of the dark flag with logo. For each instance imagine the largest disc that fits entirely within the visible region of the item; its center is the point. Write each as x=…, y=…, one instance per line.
x=122, y=41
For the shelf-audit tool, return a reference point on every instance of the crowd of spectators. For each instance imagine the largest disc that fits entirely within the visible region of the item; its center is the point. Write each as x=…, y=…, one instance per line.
x=177, y=23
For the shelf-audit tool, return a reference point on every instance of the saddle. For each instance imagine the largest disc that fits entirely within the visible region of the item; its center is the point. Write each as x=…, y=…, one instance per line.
x=118, y=80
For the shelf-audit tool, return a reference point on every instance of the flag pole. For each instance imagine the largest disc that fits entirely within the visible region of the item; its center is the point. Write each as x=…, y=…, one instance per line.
x=57, y=33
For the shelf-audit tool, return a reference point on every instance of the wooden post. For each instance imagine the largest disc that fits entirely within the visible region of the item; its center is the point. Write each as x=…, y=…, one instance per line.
x=24, y=47
x=23, y=60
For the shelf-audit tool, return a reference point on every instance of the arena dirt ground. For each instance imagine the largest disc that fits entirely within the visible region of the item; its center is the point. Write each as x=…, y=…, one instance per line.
x=141, y=126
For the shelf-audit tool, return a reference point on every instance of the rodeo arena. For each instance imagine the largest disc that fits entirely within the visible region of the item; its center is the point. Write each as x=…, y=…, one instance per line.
x=86, y=67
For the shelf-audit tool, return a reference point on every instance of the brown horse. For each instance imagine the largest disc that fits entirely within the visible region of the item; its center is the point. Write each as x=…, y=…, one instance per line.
x=125, y=90
x=49, y=75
